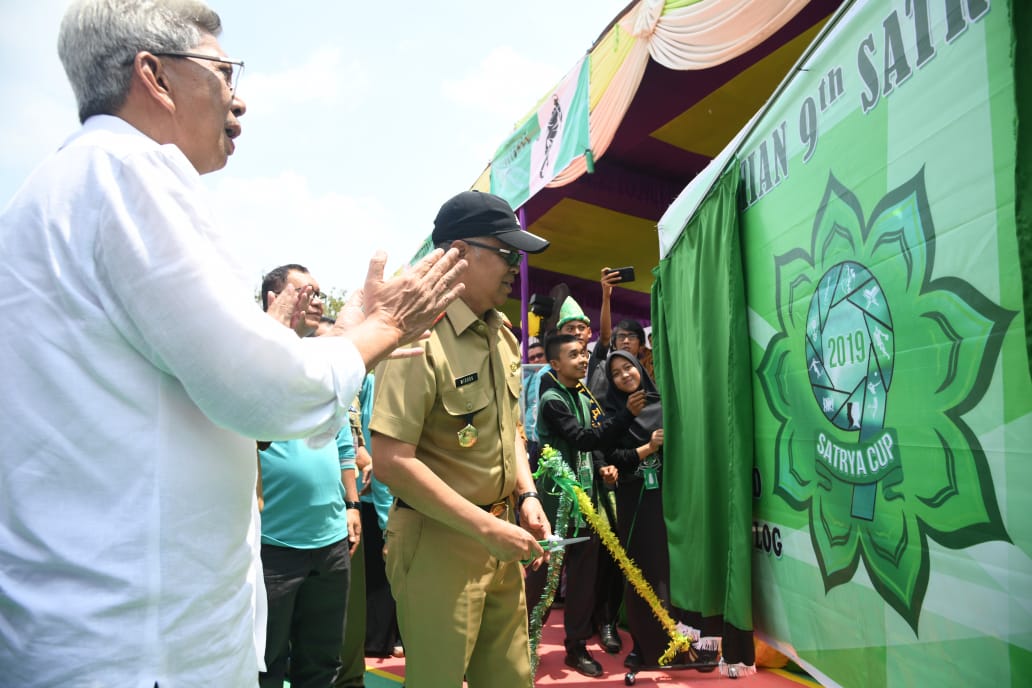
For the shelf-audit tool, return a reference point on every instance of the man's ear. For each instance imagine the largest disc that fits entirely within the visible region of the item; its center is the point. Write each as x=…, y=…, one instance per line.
x=150, y=73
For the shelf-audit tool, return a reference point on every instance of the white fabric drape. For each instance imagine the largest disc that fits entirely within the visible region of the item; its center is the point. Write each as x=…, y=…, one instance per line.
x=710, y=32
x=699, y=36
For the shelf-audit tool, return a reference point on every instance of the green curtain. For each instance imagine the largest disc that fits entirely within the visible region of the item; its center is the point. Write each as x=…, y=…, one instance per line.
x=703, y=372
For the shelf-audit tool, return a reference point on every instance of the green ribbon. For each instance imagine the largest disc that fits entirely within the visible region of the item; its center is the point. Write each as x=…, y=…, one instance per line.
x=553, y=465
x=555, y=567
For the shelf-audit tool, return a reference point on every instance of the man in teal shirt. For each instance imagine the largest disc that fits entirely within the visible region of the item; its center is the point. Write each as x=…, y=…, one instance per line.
x=310, y=525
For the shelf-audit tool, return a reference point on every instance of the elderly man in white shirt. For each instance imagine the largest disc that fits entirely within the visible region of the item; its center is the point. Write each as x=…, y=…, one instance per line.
x=137, y=372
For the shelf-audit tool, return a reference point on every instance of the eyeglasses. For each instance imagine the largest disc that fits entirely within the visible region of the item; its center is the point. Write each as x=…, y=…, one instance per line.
x=627, y=337
x=321, y=295
x=230, y=72
x=512, y=258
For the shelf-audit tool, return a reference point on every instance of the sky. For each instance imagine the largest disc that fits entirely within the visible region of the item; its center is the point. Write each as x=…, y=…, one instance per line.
x=362, y=117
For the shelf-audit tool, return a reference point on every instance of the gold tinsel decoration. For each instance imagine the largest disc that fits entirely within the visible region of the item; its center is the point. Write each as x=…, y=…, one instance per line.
x=552, y=463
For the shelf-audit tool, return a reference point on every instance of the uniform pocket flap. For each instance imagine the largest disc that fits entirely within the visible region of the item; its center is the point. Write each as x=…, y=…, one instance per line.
x=465, y=400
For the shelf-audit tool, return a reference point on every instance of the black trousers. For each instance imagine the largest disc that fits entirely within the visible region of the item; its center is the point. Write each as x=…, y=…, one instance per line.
x=381, y=613
x=609, y=583
x=642, y=532
x=581, y=565
x=308, y=600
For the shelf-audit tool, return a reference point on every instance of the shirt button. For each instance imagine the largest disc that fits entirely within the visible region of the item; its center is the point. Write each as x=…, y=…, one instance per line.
x=469, y=405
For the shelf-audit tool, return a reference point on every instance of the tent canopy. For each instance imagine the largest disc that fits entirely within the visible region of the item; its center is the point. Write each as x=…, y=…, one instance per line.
x=670, y=85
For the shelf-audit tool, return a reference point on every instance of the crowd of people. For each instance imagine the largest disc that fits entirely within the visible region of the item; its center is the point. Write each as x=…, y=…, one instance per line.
x=601, y=409
x=198, y=491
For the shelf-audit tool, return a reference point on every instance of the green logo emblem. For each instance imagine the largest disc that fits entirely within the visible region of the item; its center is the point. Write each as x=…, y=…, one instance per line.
x=875, y=364
x=849, y=350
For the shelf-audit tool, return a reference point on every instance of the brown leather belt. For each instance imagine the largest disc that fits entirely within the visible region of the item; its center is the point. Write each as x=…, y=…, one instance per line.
x=499, y=509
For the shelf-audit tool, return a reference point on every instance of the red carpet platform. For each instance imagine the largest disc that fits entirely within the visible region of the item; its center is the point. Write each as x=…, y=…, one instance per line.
x=390, y=672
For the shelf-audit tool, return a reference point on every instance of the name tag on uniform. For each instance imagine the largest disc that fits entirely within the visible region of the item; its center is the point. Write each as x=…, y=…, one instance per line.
x=466, y=379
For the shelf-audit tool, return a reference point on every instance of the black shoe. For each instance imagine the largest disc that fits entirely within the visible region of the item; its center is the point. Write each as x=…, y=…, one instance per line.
x=580, y=659
x=609, y=639
x=633, y=660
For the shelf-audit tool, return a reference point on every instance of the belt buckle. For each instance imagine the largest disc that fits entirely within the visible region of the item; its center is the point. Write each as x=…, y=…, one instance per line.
x=499, y=509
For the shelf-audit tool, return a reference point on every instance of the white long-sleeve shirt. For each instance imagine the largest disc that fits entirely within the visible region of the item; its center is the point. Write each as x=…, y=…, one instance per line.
x=137, y=371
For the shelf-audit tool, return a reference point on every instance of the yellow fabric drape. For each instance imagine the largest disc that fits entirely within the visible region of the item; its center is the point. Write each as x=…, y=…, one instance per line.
x=678, y=36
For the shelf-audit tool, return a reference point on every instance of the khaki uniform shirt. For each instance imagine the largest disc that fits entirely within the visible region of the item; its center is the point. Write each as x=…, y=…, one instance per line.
x=469, y=374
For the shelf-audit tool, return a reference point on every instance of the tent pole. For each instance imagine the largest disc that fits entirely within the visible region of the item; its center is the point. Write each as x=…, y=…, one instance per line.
x=524, y=290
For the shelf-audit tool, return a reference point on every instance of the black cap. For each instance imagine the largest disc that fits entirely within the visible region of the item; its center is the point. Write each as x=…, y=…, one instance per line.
x=475, y=214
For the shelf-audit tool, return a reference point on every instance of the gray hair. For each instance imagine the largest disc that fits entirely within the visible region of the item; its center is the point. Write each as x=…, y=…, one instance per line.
x=99, y=39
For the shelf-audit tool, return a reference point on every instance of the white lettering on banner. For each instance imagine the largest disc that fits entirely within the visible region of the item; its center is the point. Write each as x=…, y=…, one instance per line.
x=859, y=463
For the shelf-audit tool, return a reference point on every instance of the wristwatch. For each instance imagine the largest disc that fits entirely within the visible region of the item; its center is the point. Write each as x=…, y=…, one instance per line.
x=525, y=496
x=352, y=505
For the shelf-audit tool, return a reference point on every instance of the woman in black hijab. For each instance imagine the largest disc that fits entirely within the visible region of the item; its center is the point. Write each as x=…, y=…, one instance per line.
x=640, y=528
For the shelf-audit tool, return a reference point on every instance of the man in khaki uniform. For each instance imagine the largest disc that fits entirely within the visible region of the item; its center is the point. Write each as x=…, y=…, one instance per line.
x=447, y=445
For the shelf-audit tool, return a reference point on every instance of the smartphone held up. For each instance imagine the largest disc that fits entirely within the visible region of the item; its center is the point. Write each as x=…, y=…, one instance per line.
x=626, y=274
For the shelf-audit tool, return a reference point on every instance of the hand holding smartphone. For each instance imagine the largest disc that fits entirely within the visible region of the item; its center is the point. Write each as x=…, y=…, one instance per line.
x=626, y=274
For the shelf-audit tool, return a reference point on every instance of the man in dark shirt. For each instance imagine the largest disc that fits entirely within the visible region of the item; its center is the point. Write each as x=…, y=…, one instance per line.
x=564, y=423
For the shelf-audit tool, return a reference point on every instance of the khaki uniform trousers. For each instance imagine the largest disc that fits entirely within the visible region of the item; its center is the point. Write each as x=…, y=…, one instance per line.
x=461, y=612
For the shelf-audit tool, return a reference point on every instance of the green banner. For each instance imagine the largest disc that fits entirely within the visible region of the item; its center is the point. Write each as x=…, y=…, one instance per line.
x=546, y=143
x=891, y=391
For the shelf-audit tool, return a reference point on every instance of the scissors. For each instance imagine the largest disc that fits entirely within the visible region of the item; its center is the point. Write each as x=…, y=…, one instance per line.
x=556, y=545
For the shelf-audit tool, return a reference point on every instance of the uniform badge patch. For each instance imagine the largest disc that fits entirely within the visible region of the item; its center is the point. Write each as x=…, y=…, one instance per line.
x=466, y=379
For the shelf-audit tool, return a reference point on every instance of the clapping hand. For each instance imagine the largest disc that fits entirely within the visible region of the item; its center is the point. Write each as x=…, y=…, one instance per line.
x=412, y=300
x=386, y=314
x=352, y=313
x=289, y=306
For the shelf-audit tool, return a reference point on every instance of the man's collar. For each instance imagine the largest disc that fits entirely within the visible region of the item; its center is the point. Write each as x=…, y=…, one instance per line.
x=461, y=317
